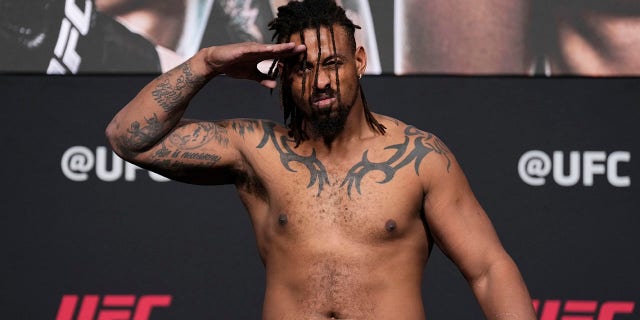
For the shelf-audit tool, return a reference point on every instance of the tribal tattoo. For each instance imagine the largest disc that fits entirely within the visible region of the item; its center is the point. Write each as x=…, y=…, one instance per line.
x=423, y=144
x=317, y=171
x=406, y=153
x=244, y=126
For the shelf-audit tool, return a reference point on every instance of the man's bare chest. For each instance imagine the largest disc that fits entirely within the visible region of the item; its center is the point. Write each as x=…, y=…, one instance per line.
x=375, y=182
x=376, y=161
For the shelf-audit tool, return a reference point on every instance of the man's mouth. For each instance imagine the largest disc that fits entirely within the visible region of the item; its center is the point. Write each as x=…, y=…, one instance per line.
x=323, y=100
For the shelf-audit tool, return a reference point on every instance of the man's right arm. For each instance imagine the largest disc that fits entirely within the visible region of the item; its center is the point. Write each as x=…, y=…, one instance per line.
x=149, y=131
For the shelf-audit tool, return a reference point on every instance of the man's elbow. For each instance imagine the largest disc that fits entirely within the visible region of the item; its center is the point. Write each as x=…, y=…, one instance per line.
x=116, y=139
x=501, y=265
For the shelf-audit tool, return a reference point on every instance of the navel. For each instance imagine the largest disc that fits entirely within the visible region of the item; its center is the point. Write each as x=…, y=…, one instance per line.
x=283, y=219
x=390, y=225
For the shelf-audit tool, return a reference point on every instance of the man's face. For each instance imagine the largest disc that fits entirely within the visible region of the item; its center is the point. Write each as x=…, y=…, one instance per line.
x=325, y=88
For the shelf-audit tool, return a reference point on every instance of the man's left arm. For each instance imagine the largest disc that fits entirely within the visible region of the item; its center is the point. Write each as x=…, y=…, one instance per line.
x=464, y=232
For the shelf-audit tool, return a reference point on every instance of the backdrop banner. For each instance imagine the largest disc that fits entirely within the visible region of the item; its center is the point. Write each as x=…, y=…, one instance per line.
x=552, y=161
x=436, y=37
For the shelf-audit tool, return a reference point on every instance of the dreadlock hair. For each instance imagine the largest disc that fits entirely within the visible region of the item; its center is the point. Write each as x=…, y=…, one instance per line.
x=295, y=17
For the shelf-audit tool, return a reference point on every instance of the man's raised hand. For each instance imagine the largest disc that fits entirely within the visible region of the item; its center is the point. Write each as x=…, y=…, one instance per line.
x=241, y=60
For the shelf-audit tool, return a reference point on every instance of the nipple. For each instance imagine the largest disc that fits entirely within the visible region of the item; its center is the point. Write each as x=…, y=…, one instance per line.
x=390, y=225
x=282, y=219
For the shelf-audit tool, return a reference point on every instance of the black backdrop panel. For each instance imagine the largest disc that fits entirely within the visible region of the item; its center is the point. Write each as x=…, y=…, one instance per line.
x=119, y=231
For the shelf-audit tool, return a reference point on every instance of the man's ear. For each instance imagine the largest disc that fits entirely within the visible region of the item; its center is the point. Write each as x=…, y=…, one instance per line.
x=361, y=60
x=279, y=67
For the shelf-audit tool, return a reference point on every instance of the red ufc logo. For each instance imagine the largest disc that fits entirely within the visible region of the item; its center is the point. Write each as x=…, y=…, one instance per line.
x=582, y=309
x=112, y=307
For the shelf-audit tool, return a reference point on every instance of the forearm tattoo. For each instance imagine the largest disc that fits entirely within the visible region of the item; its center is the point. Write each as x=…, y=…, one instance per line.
x=141, y=135
x=170, y=96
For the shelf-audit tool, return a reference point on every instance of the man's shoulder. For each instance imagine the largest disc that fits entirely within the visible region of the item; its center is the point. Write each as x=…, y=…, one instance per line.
x=246, y=127
x=417, y=143
x=397, y=128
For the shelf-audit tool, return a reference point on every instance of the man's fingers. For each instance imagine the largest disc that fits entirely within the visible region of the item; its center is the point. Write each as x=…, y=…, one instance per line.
x=271, y=84
x=266, y=80
x=272, y=51
x=284, y=47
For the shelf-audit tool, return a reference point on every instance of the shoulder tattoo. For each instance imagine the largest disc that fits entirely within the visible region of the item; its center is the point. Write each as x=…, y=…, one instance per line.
x=417, y=145
x=317, y=171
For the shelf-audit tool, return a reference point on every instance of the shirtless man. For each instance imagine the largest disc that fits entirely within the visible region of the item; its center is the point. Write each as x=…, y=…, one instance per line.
x=345, y=204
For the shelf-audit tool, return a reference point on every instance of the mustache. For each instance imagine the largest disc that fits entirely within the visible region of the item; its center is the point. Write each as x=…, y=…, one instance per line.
x=327, y=93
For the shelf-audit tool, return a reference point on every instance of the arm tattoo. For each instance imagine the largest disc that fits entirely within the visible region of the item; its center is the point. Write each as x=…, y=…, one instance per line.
x=317, y=171
x=141, y=136
x=423, y=144
x=185, y=143
x=171, y=96
x=169, y=158
x=243, y=126
x=201, y=135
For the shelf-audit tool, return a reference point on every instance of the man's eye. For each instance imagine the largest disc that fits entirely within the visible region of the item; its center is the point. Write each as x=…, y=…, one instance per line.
x=333, y=63
x=304, y=68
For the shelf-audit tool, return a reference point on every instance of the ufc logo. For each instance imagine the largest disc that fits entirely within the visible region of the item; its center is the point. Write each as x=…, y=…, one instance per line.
x=112, y=307
x=581, y=309
x=75, y=24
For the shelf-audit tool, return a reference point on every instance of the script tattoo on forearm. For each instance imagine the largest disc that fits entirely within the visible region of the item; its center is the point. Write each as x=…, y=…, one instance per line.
x=170, y=96
x=423, y=144
x=317, y=171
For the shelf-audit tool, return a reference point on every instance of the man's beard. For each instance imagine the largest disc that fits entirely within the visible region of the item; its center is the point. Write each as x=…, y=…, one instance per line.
x=329, y=122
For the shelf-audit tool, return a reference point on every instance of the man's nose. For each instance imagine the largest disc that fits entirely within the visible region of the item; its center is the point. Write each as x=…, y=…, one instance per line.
x=324, y=78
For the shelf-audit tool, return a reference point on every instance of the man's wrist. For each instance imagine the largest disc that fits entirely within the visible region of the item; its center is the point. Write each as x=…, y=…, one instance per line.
x=201, y=66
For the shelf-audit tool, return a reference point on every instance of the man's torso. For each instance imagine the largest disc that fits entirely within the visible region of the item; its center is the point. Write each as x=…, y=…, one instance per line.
x=341, y=235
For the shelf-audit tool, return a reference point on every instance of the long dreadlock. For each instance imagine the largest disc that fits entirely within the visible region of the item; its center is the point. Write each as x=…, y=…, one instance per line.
x=295, y=17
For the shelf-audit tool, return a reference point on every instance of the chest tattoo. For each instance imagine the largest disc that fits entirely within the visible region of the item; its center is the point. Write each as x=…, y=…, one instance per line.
x=423, y=144
x=417, y=145
x=317, y=171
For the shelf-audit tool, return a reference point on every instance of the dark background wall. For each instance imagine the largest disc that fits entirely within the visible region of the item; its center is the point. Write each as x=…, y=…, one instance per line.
x=137, y=236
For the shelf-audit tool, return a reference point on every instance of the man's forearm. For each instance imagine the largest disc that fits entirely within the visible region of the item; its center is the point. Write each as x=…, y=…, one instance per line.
x=502, y=293
x=158, y=107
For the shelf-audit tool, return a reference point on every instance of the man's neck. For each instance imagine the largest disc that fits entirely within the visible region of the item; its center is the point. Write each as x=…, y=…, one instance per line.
x=356, y=129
